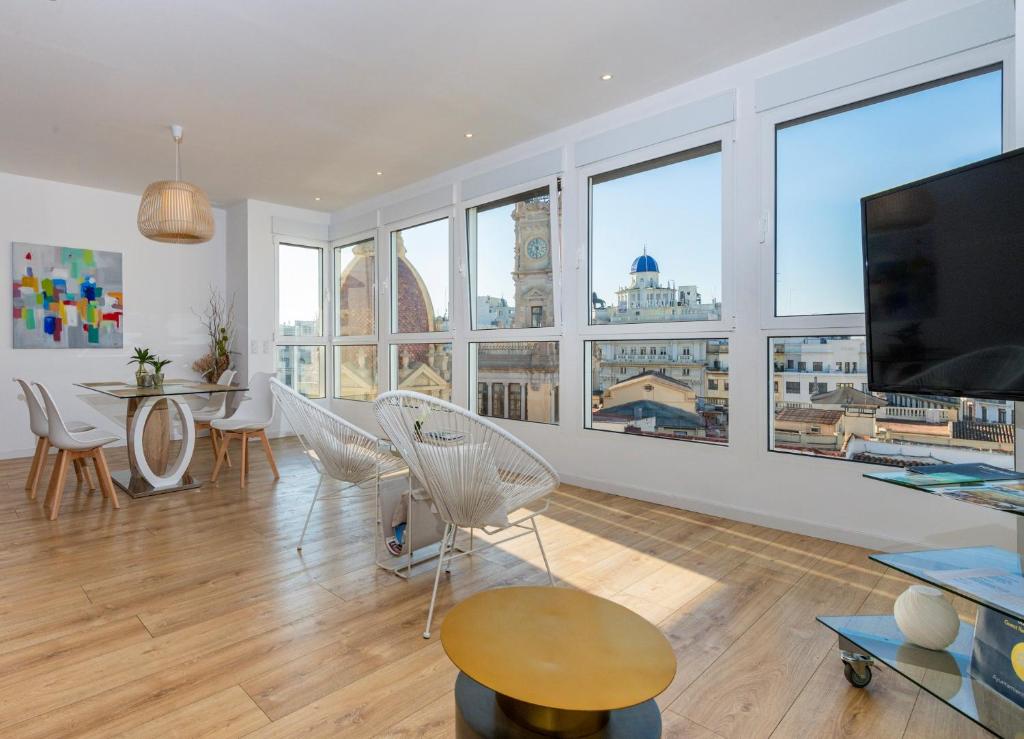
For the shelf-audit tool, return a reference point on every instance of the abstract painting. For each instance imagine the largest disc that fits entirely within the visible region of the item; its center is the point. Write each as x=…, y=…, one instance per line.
x=67, y=298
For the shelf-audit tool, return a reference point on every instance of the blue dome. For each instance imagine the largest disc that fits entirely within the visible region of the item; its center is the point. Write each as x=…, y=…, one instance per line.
x=644, y=263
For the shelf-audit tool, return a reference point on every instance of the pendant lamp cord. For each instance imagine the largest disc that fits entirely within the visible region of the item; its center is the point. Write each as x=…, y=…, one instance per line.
x=177, y=158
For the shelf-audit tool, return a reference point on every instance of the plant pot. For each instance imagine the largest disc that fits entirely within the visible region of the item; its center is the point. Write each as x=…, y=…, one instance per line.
x=140, y=377
x=158, y=379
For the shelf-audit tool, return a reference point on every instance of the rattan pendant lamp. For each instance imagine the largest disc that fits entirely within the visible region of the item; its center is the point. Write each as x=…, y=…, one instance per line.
x=175, y=211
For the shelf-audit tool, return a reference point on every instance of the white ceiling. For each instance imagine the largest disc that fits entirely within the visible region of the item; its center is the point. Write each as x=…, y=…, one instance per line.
x=286, y=100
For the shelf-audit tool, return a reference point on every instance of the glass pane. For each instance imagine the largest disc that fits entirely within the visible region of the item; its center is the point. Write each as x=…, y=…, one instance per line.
x=829, y=412
x=826, y=164
x=299, y=293
x=516, y=380
x=422, y=368
x=354, y=280
x=355, y=372
x=419, y=278
x=668, y=388
x=303, y=368
x=510, y=258
x=656, y=240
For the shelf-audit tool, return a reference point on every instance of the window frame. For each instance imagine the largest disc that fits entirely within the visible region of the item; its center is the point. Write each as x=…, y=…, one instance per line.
x=724, y=136
x=351, y=241
x=894, y=84
x=466, y=265
x=326, y=312
x=474, y=382
x=586, y=420
x=386, y=304
x=392, y=346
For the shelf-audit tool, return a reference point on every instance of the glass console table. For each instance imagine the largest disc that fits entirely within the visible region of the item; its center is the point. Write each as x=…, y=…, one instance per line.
x=986, y=576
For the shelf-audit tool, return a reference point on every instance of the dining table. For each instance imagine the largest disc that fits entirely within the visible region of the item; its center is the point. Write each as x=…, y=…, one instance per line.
x=148, y=424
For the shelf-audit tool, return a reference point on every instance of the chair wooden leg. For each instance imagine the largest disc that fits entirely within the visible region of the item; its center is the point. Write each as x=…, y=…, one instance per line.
x=99, y=460
x=227, y=454
x=221, y=454
x=38, y=462
x=77, y=464
x=56, y=492
x=86, y=477
x=243, y=465
x=270, y=454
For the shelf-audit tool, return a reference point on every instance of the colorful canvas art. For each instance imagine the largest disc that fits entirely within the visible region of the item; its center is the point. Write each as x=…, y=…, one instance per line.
x=67, y=298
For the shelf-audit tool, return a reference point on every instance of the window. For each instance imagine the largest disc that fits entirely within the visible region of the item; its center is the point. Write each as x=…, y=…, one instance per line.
x=793, y=388
x=301, y=352
x=881, y=428
x=523, y=377
x=354, y=281
x=303, y=369
x=420, y=278
x=423, y=368
x=656, y=240
x=825, y=163
x=498, y=395
x=653, y=402
x=355, y=372
x=510, y=257
x=515, y=401
x=482, y=395
x=816, y=366
x=299, y=291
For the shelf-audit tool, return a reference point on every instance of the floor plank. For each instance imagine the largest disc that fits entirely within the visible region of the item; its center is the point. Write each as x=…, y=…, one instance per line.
x=192, y=614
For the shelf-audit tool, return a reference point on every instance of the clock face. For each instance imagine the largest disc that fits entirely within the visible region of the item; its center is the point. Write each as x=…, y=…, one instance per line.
x=537, y=248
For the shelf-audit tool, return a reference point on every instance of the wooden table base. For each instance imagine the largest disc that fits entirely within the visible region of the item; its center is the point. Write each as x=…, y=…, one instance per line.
x=480, y=713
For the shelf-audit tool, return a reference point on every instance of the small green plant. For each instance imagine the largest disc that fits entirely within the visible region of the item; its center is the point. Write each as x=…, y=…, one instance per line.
x=142, y=357
x=158, y=365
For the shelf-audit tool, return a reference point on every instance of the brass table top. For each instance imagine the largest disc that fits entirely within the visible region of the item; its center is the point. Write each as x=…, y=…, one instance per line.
x=558, y=647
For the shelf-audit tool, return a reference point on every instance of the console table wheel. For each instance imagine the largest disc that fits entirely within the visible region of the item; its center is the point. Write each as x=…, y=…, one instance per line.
x=857, y=680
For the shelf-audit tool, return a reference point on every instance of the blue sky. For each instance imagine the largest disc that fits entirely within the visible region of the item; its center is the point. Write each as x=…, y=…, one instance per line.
x=825, y=166
x=676, y=210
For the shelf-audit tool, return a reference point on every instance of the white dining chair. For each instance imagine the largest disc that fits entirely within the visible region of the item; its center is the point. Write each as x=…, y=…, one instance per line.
x=72, y=446
x=477, y=474
x=250, y=419
x=337, y=449
x=215, y=407
x=38, y=424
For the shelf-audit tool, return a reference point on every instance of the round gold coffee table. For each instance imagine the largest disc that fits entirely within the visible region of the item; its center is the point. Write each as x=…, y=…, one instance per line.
x=555, y=662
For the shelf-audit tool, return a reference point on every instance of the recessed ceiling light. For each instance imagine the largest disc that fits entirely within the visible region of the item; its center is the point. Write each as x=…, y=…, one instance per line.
x=469, y=135
x=606, y=77
x=379, y=173
x=317, y=198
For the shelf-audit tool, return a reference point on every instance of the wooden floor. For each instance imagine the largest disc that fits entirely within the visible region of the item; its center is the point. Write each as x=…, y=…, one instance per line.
x=192, y=614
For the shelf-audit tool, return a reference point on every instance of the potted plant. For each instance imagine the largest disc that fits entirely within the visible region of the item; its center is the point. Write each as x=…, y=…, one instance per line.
x=158, y=370
x=218, y=319
x=142, y=358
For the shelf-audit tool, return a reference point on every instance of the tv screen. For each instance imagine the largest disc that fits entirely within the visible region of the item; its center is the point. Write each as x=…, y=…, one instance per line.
x=944, y=282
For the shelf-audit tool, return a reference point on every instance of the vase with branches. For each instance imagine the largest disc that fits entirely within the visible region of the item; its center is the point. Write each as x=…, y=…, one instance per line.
x=218, y=317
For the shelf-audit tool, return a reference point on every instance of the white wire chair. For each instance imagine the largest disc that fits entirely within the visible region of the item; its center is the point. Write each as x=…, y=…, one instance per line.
x=475, y=472
x=336, y=448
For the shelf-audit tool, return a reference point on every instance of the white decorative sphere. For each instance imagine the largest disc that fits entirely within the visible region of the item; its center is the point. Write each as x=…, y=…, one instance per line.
x=926, y=618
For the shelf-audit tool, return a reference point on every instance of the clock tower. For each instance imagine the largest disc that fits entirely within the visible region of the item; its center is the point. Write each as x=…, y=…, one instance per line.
x=534, y=299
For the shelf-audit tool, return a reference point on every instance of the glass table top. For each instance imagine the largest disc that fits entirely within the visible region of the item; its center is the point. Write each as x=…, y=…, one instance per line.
x=988, y=576
x=946, y=674
x=128, y=390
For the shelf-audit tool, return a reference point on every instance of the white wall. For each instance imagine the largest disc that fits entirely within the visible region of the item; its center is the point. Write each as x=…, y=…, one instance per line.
x=745, y=480
x=162, y=283
x=254, y=227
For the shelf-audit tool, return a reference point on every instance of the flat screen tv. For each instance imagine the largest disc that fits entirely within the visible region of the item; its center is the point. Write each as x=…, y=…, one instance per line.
x=944, y=282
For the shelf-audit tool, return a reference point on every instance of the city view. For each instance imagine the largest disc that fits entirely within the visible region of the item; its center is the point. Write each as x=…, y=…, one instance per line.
x=667, y=388
x=822, y=407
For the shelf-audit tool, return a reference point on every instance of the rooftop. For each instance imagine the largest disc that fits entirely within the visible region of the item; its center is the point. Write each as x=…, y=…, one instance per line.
x=809, y=415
